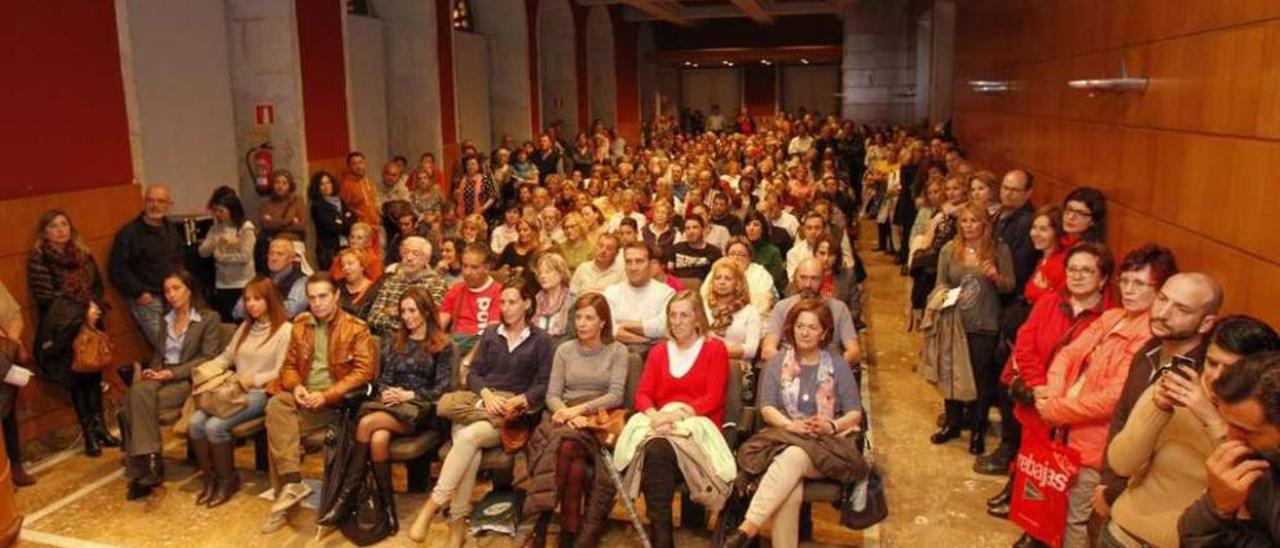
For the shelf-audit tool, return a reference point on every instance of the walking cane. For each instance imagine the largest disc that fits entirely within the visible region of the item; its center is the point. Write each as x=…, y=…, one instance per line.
x=627, y=503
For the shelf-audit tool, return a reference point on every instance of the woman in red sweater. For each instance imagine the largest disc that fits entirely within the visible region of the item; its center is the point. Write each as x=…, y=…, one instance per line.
x=689, y=369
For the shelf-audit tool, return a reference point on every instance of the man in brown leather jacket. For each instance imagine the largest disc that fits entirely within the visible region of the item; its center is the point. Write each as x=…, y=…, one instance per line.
x=331, y=353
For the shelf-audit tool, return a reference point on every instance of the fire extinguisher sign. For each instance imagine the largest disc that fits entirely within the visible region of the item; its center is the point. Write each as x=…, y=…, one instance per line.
x=264, y=114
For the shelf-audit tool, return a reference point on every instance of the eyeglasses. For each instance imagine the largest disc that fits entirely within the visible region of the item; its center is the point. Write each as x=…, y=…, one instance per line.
x=1078, y=212
x=1082, y=271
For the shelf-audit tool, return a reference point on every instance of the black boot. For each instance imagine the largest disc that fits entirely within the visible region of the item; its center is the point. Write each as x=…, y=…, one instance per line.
x=997, y=463
x=737, y=539
x=14, y=451
x=387, y=492
x=204, y=461
x=137, y=472
x=1027, y=541
x=152, y=469
x=1004, y=496
x=351, y=480
x=951, y=427
x=538, y=538
x=662, y=535
x=93, y=398
x=80, y=402
x=978, y=439
x=224, y=466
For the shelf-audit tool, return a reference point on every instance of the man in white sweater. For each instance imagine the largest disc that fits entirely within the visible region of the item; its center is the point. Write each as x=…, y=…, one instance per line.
x=638, y=304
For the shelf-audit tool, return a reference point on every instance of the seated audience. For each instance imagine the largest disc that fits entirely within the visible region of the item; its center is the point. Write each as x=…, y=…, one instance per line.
x=732, y=318
x=286, y=274
x=694, y=255
x=471, y=305
x=413, y=270
x=760, y=285
x=575, y=247
x=808, y=399
x=639, y=301
x=314, y=379
x=361, y=241
x=588, y=378
x=604, y=270
x=253, y=356
x=554, y=302
x=506, y=377
x=682, y=390
x=354, y=285
x=808, y=282
x=414, y=370
x=191, y=337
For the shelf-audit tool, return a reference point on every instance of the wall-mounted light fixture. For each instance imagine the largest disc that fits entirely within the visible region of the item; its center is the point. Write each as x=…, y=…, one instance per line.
x=804, y=61
x=991, y=87
x=1122, y=84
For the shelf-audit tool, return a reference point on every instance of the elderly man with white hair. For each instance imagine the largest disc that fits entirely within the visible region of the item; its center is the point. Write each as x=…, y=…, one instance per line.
x=413, y=270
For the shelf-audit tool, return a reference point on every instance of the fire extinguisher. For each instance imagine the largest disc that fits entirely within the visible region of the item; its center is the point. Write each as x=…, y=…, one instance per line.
x=260, y=167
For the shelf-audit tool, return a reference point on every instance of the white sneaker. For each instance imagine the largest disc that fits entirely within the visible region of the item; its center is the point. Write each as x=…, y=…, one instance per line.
x=275, y=521
x=290, y=496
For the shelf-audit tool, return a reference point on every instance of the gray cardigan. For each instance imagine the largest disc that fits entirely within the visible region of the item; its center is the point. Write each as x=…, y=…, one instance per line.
x=601, y=376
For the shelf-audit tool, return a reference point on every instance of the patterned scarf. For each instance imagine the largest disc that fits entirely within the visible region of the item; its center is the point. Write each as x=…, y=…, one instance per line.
x=550, y=312
x=73, y=271
x=824, y=392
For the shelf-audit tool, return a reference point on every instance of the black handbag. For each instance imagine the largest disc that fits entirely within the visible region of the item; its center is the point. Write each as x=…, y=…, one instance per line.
x=863, y=503
x=369, y=522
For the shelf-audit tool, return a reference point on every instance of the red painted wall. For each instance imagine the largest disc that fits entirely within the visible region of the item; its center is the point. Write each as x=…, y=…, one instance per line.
x=63, y=108
x=448, y=107
x=626, y=63
x=759, y=90
x=324, y=78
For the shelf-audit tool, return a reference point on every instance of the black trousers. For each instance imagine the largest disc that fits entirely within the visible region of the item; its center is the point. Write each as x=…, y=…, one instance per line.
x=986, y=375
x=659, y=479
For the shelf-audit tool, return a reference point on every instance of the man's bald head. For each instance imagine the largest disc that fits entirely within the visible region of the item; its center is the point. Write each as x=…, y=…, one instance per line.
x=1186, y=306
x=808, y=277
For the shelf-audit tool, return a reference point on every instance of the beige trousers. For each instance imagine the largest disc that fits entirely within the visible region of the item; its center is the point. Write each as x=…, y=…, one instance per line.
x=458, y=472
x=287, y=424
x=780, y=495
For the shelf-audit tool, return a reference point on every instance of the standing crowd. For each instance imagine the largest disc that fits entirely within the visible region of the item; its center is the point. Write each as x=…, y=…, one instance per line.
x=595, y=308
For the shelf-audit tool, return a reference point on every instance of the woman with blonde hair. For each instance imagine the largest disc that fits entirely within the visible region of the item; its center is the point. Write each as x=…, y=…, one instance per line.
x=682, y=387
x=577, y=247
x=361, y=241
x=354, y=285
x=981, y=266
x=474, y=229
x=554, y=300
x=255, y=353
x=728, y=305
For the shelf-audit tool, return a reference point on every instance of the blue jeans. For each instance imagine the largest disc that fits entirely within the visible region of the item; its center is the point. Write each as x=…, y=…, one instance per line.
x=219, y=430
x=150, y=320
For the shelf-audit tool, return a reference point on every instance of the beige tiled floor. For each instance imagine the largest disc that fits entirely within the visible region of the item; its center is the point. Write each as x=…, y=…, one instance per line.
x=935, y=499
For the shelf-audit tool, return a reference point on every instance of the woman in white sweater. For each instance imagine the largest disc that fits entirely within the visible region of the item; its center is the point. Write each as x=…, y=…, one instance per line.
x=230, y=242
x=255, y=351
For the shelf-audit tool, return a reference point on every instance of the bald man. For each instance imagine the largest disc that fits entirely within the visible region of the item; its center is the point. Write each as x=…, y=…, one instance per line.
x=146, y=250
x=1182, y=316
x=286, y=273
x=808, y=282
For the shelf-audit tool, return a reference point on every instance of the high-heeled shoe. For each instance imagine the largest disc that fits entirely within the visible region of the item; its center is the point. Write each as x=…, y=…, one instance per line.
x=947, y=433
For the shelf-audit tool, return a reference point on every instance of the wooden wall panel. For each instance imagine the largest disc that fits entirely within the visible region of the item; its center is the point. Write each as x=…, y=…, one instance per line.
x=98, y=213
x=1193, y=163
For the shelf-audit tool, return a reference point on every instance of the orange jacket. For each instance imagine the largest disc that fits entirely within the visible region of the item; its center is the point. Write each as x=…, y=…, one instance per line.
x=1098, y=361
x=353, y=360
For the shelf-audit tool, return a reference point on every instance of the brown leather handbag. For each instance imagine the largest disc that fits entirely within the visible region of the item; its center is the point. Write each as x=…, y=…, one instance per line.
x=606, y=426
x=93, y=350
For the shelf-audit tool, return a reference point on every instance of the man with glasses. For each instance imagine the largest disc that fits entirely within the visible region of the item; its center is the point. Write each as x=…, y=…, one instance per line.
x=1013, y=225
x=146, y=250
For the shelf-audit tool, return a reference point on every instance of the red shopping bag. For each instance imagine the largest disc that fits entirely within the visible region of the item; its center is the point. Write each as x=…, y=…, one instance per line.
x=1044, y=472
